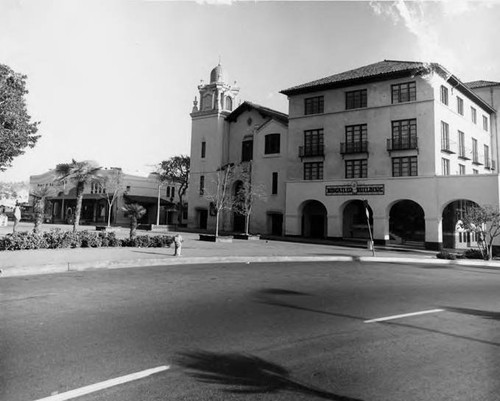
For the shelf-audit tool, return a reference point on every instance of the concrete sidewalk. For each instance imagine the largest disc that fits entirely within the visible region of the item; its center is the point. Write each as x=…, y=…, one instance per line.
x=194, y=251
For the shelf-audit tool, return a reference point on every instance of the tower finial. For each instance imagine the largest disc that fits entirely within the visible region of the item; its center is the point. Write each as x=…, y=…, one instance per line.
x=219, y=59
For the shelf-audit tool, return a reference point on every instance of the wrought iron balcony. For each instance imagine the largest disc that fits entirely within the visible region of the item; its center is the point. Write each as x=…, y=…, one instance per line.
x=402, y=144
x=312, y=151
x=353, y=147
x=464, y=154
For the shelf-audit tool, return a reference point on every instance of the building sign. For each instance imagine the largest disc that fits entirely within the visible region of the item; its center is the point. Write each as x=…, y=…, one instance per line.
x=354, y=189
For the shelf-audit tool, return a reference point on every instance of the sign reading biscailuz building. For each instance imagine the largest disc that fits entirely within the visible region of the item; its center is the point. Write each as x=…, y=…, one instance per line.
x=354, y=189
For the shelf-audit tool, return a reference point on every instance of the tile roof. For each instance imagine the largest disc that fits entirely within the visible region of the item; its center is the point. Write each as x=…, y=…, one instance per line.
x=384, y=70
x=375, y=70
x=481, y=84
x=265, y=111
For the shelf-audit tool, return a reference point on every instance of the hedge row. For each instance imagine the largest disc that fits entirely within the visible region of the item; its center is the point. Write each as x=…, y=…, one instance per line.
x=468, y=254
x=81, y=239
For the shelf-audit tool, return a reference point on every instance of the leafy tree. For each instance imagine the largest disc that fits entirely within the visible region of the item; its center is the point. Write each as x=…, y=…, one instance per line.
x=247, y=193
x=219, y=195
x=134, y=211
x=17, y=132
x=80, y=173
x=112, y=186
x=484, y=221
x=176, y=170
x=39, y=205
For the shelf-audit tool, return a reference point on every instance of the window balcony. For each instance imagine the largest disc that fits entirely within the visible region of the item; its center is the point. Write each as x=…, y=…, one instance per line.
x=353, y=147
x=446, y=148
x=312, y=151
x=488, y=164
x=402, y=144
x=475, y=160
x=464, y=154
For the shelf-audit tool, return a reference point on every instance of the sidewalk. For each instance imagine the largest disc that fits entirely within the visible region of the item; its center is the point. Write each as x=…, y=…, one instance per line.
x=194, y=251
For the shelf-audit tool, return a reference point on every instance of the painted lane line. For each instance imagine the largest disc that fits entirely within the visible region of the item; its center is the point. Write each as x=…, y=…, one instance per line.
x=383, y=319
x=103, y=385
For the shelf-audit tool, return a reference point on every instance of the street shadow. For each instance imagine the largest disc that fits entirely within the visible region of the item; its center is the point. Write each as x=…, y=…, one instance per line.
x=473, y=312
x=269, y=297
x=246, y=374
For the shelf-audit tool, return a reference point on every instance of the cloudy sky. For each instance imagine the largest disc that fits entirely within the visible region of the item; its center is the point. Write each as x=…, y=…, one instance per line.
x=114, y=81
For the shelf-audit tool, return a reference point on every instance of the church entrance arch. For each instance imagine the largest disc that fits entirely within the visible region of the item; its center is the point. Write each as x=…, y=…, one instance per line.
x=407, y=222
x=454, y=236
x=355, y=222
x=314, y=219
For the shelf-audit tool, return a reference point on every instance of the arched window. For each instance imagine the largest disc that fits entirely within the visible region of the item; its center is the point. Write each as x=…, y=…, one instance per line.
x=229, y=103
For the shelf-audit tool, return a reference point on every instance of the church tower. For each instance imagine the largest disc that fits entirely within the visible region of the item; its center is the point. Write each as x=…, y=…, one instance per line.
x=209, y=140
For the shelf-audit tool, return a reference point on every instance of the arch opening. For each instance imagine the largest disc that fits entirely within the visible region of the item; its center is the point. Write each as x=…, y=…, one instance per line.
x=455, y=237
x=407, y=223
x=314, y=220
x=355, y=221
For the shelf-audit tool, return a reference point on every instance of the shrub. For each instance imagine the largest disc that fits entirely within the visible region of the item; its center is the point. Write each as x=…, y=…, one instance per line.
x=145, y=241
x=446, y=255
x=473, y=254
x=90, y=240
x=22, y=240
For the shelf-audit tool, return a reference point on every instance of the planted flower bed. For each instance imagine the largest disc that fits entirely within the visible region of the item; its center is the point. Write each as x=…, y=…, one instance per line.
x=81, y=239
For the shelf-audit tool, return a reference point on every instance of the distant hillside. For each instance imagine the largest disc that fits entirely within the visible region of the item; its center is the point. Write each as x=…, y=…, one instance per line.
x=12, y=191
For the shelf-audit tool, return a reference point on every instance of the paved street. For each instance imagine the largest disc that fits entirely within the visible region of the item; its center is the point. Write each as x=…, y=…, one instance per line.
x=283, y=331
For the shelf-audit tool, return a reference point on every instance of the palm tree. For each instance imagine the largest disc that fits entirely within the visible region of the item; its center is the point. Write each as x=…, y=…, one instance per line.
x=80, y=173
x=39, y=198
x=134, y=211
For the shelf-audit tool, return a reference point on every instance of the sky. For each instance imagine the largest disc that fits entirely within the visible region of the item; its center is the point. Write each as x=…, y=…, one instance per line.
x=114, y=80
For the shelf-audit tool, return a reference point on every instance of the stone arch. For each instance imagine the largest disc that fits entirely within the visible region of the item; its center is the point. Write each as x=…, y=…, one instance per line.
x=314, y=219
x=406, y=221
x=453, y=236
x=354, y=220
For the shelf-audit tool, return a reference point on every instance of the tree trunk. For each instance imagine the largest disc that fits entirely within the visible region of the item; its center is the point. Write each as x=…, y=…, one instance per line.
x=217, y=224
x=133, y=227
x=247, y=223
x=110, y=206
x=39, y=208
x=78, y=209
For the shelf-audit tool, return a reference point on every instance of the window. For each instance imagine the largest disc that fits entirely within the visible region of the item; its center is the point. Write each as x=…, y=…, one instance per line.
x=355, y=99
x=313, y=171
x=460, y=105
x=485, y=123
x=445, y=136
x=356, y=168
x=487, y=156
x=444, y=95
x=461, y=169
x=406, y=92
x=404, y=134
x=475, y=156
x=168, y=192
x=404, y=166
x=314, y=105
x=173, y=192
x=461, y=144
x=202, y=185
x=203, y=149
x=473, y=115
x=96, y=188
x=274, y=189
x=272, y=144
x=247, y=151
x=313, y=142
x=229, y=103
x=475, y=171
x=355, y=138
x=445, y=166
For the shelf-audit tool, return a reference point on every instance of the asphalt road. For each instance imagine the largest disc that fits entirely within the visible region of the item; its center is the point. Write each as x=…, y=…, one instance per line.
x=278, y=331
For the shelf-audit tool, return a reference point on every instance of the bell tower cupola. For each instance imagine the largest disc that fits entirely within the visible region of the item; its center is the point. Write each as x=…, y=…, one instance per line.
x=216, y=97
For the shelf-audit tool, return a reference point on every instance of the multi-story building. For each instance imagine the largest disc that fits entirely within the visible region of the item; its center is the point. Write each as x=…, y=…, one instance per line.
x=146, y=191
x=405, y=146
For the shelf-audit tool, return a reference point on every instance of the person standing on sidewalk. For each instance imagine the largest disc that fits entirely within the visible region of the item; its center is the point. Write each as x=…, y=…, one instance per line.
x=17, y=216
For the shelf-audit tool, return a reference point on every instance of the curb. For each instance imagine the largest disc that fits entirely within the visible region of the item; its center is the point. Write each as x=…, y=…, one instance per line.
x=174, y=261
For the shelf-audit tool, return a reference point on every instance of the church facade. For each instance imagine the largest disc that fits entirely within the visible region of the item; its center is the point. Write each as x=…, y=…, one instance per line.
x=394, y=150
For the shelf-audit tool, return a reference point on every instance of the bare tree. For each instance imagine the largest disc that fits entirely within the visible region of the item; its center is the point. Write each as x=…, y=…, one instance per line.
x=111, y=186
x=219, y=195
x=247, y=193
x=484, y=221
x=39, y=205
